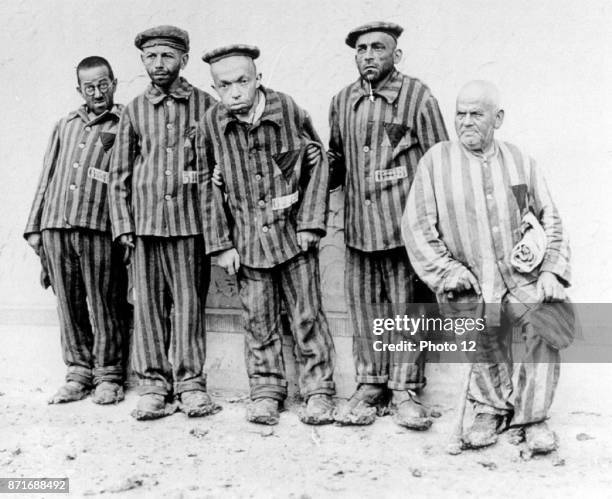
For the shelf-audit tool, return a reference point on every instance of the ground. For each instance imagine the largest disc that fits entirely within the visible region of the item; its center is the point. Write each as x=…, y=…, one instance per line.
x=105, y=452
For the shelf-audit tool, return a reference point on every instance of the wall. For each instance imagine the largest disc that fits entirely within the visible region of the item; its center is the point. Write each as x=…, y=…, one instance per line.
x=550, y=60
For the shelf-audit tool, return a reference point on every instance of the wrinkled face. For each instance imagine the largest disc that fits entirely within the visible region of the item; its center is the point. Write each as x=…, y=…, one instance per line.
x=376, y=55
x=163, y=64
x=97, y=88
x=236, y=82
x=476, y=120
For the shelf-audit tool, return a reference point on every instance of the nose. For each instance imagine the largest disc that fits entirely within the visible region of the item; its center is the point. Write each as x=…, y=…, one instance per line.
x=97, y=92
x=369, y=54
x=467, y=120
x=235, y=92
x=158, y=61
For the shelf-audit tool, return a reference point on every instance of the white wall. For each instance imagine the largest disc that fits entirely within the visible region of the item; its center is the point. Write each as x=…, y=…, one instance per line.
x=550, y=59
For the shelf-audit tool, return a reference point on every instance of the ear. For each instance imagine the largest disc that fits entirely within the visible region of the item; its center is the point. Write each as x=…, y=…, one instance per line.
x=397, y=56
x=80, y=92
x=184, y=60
x=258, y=80
x=499, y=118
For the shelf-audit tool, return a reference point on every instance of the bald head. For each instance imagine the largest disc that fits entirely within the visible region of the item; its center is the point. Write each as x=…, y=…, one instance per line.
x=478, y=115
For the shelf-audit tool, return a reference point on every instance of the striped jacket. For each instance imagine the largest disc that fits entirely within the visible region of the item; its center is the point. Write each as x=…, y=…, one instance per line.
x=72, y=190
x=153, y=177
x=271, y=192
x=465, y=211
x=374, y=150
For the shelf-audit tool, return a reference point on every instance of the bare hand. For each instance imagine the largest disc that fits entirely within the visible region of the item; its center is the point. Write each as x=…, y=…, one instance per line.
x=465, y=281
x=308, y=239
x=313, y=154
x=217, y=178
x=127, y=241
x=35, y=241
x=549, y=288
x=229, y=260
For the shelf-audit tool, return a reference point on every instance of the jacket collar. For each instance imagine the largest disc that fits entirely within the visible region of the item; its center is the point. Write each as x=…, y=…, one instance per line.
x=113, y=114
x=273, y=111
x=389, y=90
x=182, y=92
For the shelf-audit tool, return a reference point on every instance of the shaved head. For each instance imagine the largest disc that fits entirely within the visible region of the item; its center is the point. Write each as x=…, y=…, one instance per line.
x=482, y=91
x=478, y=115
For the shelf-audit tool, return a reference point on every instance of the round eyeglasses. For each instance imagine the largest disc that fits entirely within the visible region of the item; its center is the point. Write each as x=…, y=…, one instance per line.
x=103, y=87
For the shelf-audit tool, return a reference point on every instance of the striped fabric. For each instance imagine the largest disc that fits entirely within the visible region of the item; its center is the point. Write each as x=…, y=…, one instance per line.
x=154, y=178
x=377, y=284
x=295, y=283
x=89, y=280
x=72, y=190
x=466, y=211
x=374, y=149
x=272, y=193
x=171, y=277
x=524, y=391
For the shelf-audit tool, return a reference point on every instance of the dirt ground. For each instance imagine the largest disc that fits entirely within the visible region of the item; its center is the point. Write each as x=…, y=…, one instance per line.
x=105, y=452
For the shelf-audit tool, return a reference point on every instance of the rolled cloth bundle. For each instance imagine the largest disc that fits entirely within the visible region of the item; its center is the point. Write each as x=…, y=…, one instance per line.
x=529, y=251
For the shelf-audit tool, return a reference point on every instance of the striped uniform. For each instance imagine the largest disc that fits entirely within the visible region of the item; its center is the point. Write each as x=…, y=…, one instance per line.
x=70, y=208
x=465, y=211
x=272, y=193
x=154, y=195
x=374, y=149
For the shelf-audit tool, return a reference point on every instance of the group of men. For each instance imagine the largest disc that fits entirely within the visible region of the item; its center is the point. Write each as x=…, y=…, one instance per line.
x=176, y=178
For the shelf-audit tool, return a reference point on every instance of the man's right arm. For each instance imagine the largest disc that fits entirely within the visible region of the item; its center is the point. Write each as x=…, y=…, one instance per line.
x=335, y=154
x=120, y=179
x=429, y=255
x=32, y=230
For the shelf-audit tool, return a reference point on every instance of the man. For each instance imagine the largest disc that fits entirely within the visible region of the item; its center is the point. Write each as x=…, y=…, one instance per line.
x=69, y=229
x=269, y=229
x=155, y=213
x=462, y=220
x=381, y=125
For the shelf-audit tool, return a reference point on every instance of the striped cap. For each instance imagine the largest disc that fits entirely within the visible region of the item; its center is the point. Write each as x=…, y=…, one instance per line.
x=395, y=30
x=217, y=54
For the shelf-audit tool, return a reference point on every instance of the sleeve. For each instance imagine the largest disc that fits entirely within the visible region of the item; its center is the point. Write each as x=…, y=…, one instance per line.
x=215, y=220
x=429, y=255
x=430, y=127
x=557, y=255
x=51, y=154
x=337, y=162
x=120, y=177
x=312, y=214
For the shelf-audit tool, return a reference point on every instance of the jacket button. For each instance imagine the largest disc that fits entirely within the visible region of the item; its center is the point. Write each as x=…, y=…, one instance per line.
x=258, y=177
x=265, y=228
x=368, y=202
x=366, y=149
x=75, y=165
x=167, y=173
x=72, y=187
x=261, y=203
x=81, y=145
x=167, y=197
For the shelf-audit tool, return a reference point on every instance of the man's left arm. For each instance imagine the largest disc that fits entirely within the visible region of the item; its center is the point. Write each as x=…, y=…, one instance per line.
x=556, y=260
x=312, y=214
x=430, y=127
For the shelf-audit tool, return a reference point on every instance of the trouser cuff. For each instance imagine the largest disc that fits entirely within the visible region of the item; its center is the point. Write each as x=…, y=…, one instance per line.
x=148, y=387
x=479, y=407
x=112, y=374
x=407, y=385
x=371, y=380
x=79, y=374
x=324, y=388
x=198, y=383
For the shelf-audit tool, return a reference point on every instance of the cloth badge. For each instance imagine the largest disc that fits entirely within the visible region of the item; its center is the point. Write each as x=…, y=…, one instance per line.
x=286, y=161
x=390, y=174
x=190, y=177
x=97, y=174
x=396, y=133
x=107, y=139
x=284, y=201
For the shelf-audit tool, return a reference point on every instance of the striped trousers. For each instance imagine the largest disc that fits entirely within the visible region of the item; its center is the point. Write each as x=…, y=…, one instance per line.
x=523, y=390
x=171, y=277
x=378, y=285
x=89, y=281
x=297, y=284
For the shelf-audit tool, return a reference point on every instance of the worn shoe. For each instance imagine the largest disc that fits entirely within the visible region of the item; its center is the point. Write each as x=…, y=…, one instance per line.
x=152, y=406
x=263, y=411
x=483, y=431
x=540, y=438
x=319, y=410
x=197, y=403
x=408, y=411
x=362, y=407
x=108, y=393
x=71, y=391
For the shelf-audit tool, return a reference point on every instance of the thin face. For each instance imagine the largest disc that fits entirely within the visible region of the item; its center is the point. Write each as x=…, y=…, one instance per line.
x=236, y=82
x=376, y=55
x=97, y=88
x=163, y=64
x=476, y=120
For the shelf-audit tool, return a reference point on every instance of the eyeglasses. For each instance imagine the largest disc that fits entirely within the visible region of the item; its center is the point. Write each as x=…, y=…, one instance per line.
x=103, y=87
